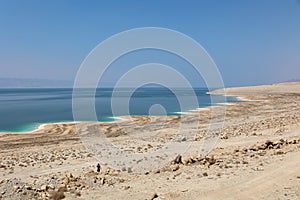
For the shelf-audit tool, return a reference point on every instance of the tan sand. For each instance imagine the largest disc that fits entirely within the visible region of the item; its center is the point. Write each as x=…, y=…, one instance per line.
x=257, y=156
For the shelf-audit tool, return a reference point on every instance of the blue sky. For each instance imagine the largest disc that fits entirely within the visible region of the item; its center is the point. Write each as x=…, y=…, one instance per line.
x=252, y=42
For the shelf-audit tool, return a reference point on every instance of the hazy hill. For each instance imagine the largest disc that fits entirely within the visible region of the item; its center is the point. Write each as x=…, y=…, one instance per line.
x=33, y=83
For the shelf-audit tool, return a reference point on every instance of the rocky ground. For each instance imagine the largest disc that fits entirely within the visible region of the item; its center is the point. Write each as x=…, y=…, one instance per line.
x=257, y=156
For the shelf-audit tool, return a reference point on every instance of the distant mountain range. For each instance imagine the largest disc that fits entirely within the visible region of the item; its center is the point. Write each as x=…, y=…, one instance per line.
x=47, y=83
x=294, y=80
x=33, y=83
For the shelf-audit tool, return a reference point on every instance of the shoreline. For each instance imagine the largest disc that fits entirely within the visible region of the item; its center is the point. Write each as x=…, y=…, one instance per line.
x=239, y=97
x=117, y=119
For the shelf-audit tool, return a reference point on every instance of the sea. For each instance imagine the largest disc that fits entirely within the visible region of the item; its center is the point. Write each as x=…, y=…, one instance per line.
x=25, y=109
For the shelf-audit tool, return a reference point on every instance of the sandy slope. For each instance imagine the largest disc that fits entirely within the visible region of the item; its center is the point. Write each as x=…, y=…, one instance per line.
x=257, y=156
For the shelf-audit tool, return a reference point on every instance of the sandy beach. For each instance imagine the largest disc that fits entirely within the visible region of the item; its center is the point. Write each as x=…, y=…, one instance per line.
x=257, y=155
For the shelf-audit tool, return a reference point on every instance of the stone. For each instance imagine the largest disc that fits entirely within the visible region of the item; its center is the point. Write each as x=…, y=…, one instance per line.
x=261, y=153
x=69, y=175
x=154, y=196
x=23, y=165
x=129, y=170
x=102, y=181
x=188, y=160
x=174, y=167
x=295, y=142
x=269, y=144
x=244, y=150
x=183, y=139
x=254, y=148
x=211, y=160
x=77, y=193
x=259, y=169
x=279, y=152
x=44, y=187
x=245, y=162
x=225, y=137
x=62, y=188
x=73, y=188
x=177, y=160
x=28, y=187
x=16, y=187
x=51, y=186
x=43, y=195
x=57, y=195
x=127, y=187
x=66, y=181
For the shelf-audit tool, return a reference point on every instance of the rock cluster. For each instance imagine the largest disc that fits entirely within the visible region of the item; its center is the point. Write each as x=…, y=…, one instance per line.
x=57, y=187
x=236, y=158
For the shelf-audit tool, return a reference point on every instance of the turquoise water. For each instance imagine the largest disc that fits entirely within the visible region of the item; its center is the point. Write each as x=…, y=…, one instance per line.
x=24, y=110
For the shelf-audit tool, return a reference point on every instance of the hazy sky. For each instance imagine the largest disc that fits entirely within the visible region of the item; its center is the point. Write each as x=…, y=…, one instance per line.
x=251, y=41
